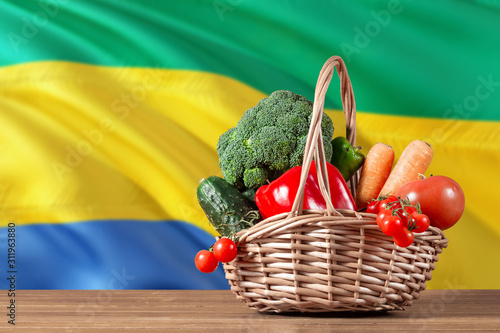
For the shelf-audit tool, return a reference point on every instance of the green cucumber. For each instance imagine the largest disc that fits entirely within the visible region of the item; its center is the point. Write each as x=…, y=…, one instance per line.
x=228, y=210
x=249, y=193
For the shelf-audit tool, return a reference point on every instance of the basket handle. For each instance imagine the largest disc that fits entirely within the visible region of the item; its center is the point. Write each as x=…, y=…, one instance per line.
x=314, y=145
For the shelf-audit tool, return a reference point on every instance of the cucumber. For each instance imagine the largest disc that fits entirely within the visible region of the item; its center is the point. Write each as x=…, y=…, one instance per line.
x=249, y=193
x=228, y=210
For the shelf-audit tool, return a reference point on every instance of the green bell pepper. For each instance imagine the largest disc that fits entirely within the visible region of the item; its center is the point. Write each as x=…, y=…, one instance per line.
x=346, y=158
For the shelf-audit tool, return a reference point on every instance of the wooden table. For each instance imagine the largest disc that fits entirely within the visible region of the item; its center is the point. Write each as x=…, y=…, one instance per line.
x=219, y=311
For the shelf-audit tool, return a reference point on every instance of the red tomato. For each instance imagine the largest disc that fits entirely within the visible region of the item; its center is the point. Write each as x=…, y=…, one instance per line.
x=404, y=238
x=410, y=210
x=382, y=214
x=391, y=225
x=391, y=202
x=440, y=198
x=205, y=261
x=372, y=207
x=225, y=250
x=421, y=222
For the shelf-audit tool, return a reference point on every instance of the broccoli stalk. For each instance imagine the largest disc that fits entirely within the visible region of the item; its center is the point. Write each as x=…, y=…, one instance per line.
x=268, y=140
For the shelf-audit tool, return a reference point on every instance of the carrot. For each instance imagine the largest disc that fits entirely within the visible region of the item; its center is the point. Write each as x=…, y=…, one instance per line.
x=413, y=162
x=375, y=171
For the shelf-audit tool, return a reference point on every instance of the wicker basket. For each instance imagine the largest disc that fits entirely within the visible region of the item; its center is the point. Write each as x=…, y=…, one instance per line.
x=329, y=260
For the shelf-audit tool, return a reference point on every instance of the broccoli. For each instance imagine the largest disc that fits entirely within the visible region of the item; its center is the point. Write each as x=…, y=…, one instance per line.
x=268, y=140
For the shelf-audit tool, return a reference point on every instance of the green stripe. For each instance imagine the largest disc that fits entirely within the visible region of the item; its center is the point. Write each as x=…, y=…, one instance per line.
x=417, y=58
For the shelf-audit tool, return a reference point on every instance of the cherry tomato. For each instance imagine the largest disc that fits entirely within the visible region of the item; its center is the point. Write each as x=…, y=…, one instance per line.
x=391, y=202
x=382, y=214
x=404, y=238
x=382, y=221
x=391, y=225
x=421, y=221
x=205, y=261
x=440, y=198
x=410, y=209
x=404, y=214
x=225, y=250
x=372, y=207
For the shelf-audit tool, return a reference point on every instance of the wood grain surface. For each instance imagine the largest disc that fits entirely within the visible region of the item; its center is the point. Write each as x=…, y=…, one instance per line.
x=219, y=311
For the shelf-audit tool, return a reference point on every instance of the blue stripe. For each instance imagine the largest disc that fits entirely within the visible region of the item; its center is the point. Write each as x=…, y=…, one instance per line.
x=109, y=254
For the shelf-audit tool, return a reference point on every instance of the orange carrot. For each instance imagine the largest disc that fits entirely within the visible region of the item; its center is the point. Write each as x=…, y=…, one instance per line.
x=413, y=162
x=375, y=171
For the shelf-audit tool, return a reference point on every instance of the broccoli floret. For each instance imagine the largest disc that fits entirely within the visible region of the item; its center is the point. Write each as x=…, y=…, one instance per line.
x=254, y=177
x=269, y=139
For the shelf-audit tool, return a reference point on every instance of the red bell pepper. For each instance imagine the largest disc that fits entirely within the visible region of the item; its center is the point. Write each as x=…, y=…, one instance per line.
x=278, y=196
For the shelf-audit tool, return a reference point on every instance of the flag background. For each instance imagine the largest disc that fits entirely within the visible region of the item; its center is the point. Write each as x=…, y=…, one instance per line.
x=110, y=113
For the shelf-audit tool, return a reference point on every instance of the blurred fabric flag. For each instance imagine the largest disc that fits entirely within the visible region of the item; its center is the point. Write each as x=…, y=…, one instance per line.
x=110, y=112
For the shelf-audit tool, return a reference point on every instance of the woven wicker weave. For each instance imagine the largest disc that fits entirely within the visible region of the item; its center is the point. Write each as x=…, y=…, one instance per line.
x=329, y=260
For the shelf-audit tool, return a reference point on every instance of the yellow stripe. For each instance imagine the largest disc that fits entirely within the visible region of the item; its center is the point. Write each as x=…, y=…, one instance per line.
x=83, y=142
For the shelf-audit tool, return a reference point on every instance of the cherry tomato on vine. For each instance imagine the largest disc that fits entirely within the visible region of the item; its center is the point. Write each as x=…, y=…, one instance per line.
x=411, y=209
x=391, y=202
x=405, y=214
x=421, y=222
x=391, y=225
x=372, y=207
x=406, y=211
x=440, y=198
x=404, y=238
x=205, y=261
x=225, y=250
x=382, y=214
x=402, y=215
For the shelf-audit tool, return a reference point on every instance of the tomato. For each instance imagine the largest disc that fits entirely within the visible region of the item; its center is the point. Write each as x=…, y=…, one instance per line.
x=421, y=221
x=382, y=220
x=391, y=225
x=410, y=210
x=372, y=207
x=205, y=261
x=440, y=198
x=405, y=214
x=225, y=250
x=404, y=238
x=382, y=214
x=391, y=202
